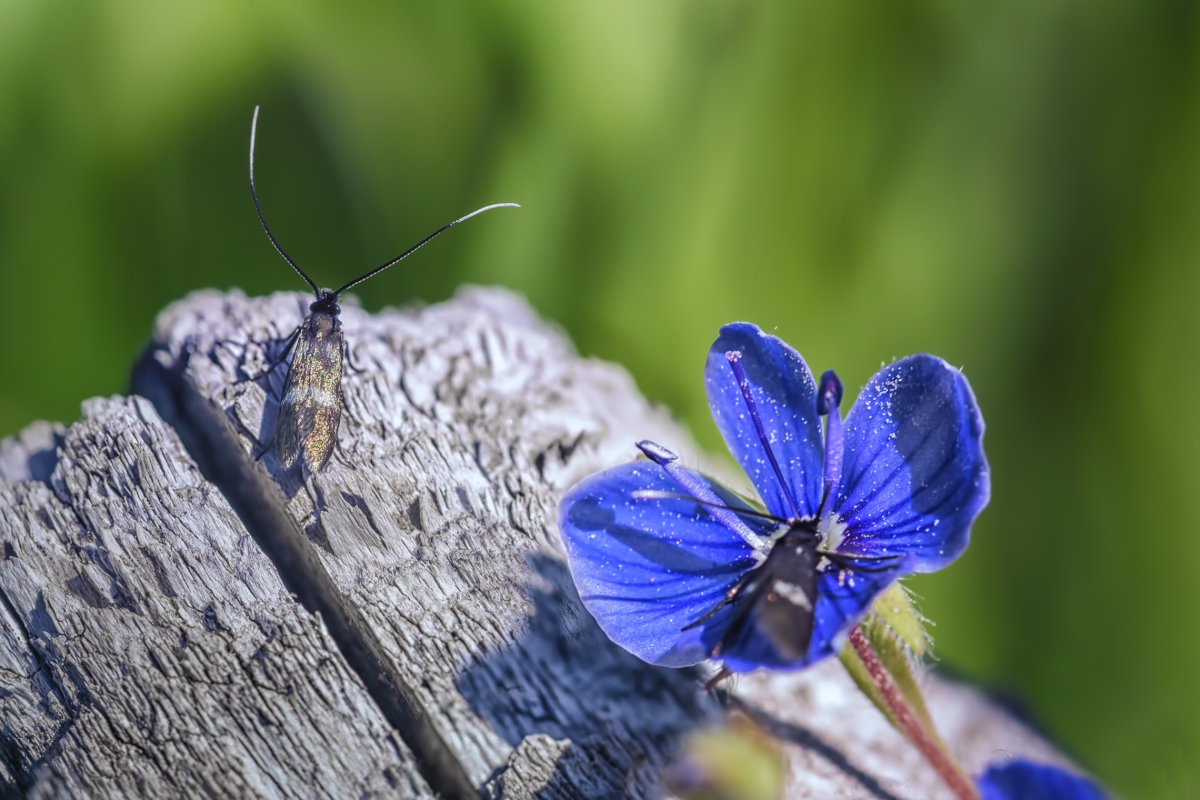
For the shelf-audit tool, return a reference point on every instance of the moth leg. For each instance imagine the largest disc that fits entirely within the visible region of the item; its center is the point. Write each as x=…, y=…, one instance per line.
x=221, y=345
x=346, y=408
x=354, y=368
x=287, y=348
x=340, y=454
x=317, y=494
x=264, y=449
x=712, y=682
x=256, y=443
x=728, y=599
x=864, y=562
x=350, y=361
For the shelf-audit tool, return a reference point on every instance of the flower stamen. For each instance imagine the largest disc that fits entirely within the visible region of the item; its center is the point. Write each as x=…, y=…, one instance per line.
x=829, y=397
x=701, y=493
x=655, y=494
x=734, y=357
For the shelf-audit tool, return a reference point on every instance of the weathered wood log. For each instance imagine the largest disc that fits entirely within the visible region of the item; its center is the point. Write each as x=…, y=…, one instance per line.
x=181, y=618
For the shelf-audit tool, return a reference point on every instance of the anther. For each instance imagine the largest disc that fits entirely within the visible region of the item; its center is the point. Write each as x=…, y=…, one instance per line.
x=829, y=395
x=701, y=492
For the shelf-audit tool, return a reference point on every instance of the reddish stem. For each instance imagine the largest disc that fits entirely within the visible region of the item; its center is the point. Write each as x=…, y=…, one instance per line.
x=906, y=719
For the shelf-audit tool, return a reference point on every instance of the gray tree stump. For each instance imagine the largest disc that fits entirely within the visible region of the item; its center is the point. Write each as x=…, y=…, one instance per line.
x=177, y=618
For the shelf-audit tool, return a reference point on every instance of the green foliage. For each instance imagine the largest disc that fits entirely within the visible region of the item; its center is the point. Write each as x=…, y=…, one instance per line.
x=1012, y=186
x=737, y=761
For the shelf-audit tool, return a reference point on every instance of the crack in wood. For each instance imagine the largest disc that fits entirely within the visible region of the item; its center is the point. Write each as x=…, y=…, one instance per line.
x=258, y=501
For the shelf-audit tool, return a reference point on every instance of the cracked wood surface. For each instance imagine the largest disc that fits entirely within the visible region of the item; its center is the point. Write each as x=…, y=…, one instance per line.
x=178, y=618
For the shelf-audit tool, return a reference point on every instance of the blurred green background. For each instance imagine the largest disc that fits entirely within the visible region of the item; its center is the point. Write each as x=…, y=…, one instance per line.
x=1013, y=186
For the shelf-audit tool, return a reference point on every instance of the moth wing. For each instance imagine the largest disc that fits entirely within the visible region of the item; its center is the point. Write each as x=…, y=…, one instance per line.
x=311, y=409
x=771, y=624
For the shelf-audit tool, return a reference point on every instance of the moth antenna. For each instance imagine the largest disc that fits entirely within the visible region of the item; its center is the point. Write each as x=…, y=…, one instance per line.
x=410, y=250
x=263, y=220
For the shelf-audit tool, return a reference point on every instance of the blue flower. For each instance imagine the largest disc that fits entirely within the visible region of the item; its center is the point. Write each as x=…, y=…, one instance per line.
x=677, y=568
x=1025, y=780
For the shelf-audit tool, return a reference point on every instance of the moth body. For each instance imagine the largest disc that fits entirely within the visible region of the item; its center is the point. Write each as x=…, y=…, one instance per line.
x=311, y=408
x=778, y=599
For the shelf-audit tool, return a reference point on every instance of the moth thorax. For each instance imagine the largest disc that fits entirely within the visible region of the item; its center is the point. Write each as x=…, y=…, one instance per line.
x=322, y=324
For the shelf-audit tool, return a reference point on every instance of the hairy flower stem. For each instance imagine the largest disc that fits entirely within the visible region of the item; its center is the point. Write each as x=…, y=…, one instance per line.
x=908, y=722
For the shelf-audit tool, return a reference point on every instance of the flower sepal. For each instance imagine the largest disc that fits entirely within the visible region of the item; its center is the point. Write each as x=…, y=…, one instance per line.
x=896, y=633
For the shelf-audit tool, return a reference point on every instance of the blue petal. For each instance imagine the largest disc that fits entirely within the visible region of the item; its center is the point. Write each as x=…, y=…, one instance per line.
x=1025, y=780
x=647, y=567
x=914, y=474
x=786, y=396
x=844, y=596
